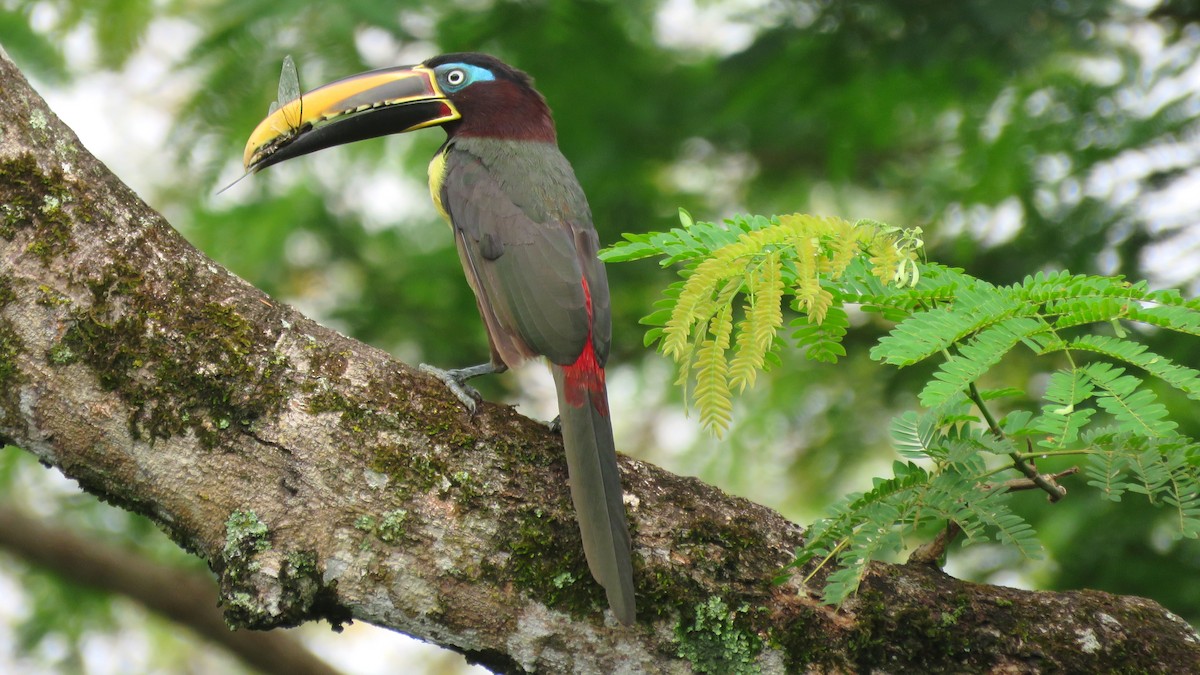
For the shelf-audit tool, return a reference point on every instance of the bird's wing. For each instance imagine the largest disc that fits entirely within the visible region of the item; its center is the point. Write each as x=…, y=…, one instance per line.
x=527, y=246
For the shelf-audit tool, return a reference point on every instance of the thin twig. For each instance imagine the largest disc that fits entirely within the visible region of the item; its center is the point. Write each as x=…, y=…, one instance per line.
x=1018, y=484
x=977, y=398
x=1043, y=481
x=1054, y=491
x=933, y=552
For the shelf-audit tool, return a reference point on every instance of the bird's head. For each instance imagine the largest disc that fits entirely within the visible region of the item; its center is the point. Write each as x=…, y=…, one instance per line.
x=468, y=94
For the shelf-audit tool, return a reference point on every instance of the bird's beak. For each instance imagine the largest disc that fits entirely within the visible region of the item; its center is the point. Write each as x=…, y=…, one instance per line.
x=377, y=103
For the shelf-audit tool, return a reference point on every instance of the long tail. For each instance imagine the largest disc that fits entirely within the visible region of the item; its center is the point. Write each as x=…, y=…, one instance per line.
x=595, y=480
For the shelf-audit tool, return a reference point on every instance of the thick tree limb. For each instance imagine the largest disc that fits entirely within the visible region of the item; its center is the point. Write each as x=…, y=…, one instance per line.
x=322, y=479
x=182, y=596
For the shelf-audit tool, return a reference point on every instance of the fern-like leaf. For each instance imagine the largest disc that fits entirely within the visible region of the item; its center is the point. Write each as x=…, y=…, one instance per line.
x=913, y=435
x=1062, y=417
x=1161, y=469
x=1010, y=529
x=1134, y=408
x=1104, y=471
x=1179, y=319
x=1182, y=378
x=975, y=358
x=1179, y=489
x=712, y=375
x=822, y=341
x=763, y=317
x=689, y=308
x=931, y=332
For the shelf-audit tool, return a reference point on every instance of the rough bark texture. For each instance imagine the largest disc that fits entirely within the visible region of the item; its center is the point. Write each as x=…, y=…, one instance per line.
x=323, y=480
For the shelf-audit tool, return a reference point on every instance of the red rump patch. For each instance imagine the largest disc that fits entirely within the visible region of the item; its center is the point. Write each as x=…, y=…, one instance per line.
x=586, y=375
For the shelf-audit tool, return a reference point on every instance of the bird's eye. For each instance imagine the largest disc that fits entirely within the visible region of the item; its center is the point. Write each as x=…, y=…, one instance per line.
x=455, y=77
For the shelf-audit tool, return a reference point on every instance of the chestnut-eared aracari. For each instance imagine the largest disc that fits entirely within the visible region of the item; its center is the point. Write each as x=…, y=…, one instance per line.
x=525, y=239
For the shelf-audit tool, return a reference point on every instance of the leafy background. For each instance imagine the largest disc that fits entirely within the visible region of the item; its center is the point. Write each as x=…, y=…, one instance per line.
x=1022, y=136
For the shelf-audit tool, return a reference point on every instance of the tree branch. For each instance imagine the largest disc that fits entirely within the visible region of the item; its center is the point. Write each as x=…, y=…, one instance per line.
x=179, y=595
x=321, y=479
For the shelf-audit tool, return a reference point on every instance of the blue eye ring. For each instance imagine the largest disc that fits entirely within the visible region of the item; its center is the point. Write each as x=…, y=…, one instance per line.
x=456, y=76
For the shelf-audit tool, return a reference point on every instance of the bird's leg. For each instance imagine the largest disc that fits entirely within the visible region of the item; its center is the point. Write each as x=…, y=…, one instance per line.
x=456, y=380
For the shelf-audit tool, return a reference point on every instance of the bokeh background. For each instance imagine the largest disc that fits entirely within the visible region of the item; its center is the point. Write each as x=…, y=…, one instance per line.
x=1022, y=136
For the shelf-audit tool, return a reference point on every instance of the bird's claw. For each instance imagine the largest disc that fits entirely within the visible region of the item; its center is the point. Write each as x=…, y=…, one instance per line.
x=555, y=425
x=469, y=396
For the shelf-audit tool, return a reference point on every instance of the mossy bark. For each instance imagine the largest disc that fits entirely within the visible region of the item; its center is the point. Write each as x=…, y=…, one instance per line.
x=321, y=479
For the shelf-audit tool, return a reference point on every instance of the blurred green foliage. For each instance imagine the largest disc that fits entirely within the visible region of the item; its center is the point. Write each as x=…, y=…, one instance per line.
x=1021, y=136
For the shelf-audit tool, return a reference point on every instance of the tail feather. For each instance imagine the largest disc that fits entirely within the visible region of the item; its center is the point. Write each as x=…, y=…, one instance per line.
x=596, y=489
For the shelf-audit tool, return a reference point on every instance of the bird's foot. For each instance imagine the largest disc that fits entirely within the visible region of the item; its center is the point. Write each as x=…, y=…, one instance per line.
x=555, y=424
x=456, y=381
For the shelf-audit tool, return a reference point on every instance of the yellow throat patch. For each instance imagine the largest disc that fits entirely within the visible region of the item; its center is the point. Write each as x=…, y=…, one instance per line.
x=437, y=174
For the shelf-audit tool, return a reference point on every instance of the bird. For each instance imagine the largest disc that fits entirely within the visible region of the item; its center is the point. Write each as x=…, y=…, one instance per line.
x=525, y=238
